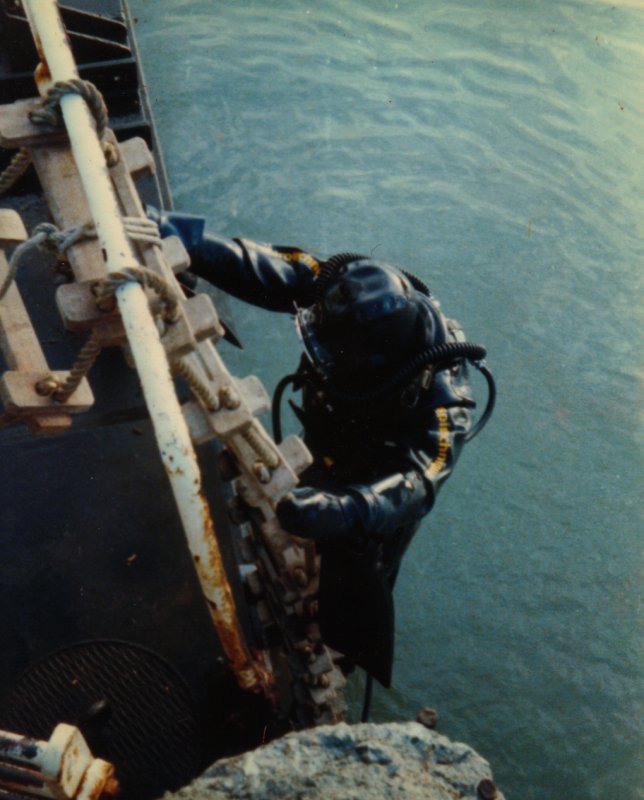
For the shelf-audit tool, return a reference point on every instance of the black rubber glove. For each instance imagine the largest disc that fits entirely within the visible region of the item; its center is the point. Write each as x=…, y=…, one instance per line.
x=318, y=515
x=374, y=511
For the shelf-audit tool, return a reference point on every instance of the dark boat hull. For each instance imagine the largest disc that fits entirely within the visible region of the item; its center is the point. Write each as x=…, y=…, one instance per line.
x=97, y=587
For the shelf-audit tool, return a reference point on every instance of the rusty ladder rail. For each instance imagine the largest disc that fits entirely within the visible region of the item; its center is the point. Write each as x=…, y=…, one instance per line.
x=115, y=256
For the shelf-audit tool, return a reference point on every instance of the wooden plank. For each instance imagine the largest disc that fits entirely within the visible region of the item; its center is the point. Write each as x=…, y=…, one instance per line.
x=17, y=130
x=18, y=340
x=138, y=157
x=67, y=203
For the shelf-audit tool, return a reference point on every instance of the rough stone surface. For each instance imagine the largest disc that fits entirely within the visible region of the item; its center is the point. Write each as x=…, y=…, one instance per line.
x=347, y=762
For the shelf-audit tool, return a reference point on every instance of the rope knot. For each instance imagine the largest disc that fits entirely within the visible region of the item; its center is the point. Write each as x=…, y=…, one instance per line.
x=48, y=113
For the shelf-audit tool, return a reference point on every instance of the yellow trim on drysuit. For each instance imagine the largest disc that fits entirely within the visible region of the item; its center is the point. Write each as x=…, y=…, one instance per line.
x=294, y=255
x=440, y=462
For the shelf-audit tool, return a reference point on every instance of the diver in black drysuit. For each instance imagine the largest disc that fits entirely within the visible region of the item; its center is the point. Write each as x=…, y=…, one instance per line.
x=386, y=408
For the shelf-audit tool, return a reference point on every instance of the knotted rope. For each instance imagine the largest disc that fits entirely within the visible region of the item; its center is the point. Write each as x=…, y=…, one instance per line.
x=48, y=237
x=48, y=113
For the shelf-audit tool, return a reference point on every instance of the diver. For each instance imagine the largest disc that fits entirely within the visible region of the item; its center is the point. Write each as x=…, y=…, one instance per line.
x=386, y=408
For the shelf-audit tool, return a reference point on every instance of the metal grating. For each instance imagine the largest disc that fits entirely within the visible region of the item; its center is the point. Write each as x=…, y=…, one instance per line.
x=132, y=706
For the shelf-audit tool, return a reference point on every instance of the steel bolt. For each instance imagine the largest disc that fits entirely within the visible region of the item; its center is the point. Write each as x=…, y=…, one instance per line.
x=261, y=472
x=427, y=717
x=229, y=397
x=324, y=680
x=307, y=649
x=311, y=607
x=47, y=386
x=486, y=789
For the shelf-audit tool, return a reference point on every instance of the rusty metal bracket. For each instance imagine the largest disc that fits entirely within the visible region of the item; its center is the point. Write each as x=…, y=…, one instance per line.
x=62, y=768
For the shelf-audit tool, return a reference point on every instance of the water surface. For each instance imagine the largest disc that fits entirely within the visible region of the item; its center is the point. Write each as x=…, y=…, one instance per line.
x=496, y=149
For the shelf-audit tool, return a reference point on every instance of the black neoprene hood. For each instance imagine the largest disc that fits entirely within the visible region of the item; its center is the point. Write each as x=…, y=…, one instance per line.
x=368, y=317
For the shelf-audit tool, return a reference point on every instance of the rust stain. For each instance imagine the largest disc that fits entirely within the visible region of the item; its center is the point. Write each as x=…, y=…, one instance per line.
x=100, y=784
x=249, y=673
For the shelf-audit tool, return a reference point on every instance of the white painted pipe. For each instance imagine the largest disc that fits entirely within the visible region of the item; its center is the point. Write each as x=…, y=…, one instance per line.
x=170, y=427
x=149, y=356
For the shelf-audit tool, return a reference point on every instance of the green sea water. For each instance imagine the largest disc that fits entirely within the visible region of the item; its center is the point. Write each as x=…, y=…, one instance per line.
x=497, y=149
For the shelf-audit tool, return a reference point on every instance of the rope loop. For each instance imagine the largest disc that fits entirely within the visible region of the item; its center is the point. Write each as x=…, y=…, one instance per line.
x=48, y=113
x=147, y=278
x=44, y=235
x=49, y=237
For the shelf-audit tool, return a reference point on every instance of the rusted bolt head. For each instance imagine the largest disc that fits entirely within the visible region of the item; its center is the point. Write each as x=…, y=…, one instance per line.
x=306, y=649
x=111, y=153
x=427, y=717
x=111, y=788
x=261, y=472
x=229, y=397
x=300, y=577
x=311, y=607
x=486, y=789
x=47, y=386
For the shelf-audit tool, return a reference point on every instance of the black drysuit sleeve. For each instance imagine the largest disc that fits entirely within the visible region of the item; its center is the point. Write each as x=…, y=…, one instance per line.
x=275, y=278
